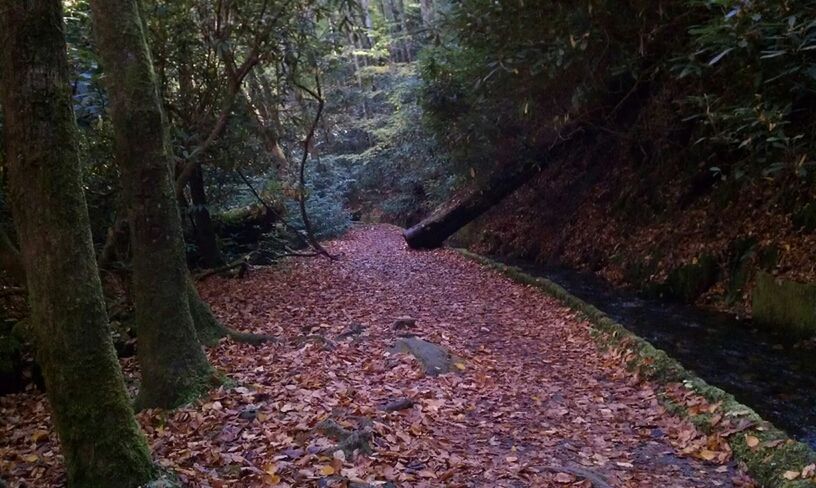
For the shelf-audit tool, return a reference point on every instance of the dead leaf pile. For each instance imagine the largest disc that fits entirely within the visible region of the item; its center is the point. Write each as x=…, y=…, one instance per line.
x=532, y=392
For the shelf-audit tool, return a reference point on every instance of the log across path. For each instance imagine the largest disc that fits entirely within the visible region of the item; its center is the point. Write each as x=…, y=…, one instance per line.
x=530, y=401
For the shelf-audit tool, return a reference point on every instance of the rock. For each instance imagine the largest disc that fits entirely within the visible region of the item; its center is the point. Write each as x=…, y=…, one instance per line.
x=349, y=441
x=434, y=359
x=250, y=412
x=396, y=405
x=404, y=322
x=353, y=331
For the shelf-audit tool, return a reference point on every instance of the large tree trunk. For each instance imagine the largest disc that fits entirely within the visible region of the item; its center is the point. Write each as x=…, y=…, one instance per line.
x=463, y=209
x=173, y=365
x=100, y=439
x=203, y=230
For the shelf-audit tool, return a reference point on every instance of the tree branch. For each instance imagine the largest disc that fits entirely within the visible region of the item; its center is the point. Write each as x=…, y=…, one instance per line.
x=237, y=76
x=318, y=96
x=272, y=210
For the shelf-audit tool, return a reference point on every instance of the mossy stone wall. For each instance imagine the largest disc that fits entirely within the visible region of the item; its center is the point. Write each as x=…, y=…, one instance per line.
x=785, y=305
x=767, y=465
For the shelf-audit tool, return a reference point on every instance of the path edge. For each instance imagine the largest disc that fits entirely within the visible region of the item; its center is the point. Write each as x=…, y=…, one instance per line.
x=767, y=465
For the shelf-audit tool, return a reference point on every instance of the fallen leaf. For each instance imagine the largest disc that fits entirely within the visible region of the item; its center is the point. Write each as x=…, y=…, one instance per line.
x=564, y=478
x=791, y=475
x=39, y=435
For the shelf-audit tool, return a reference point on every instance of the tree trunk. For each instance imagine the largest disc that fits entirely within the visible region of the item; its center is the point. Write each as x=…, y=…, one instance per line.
x=365, y=6
x=387, y=12
x=406, y=38
x=358, y=77
x=203, y=230
x=460, y=211
x=100, y=439
x=173, y=365
x=263, y=105
x=427, y=10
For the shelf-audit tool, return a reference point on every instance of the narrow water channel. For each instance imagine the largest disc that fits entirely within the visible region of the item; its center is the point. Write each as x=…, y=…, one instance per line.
x=762, y=370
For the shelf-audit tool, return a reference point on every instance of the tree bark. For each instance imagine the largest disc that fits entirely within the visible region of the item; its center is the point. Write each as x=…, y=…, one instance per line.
x=100, y=439
x=203, y=230
x=435, y=229
x=173, y=365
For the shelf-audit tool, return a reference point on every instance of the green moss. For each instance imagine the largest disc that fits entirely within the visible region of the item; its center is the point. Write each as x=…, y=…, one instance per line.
x=765, y=464
x=739, y=267
x=785, y=305
x=692, y=280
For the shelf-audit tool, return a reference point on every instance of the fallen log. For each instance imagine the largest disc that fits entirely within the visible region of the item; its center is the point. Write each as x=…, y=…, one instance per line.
x=444, y=222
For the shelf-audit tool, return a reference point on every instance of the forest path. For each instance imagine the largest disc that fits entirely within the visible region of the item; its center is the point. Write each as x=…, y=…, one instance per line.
x=534, y=392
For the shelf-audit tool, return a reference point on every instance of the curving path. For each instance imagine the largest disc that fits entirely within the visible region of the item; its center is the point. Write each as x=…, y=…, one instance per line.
x=535, y=405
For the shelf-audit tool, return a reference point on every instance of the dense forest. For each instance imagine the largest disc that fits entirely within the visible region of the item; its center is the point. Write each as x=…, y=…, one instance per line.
x=226, y=227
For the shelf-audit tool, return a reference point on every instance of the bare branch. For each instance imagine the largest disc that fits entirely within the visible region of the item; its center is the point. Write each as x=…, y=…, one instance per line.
x=317, y=94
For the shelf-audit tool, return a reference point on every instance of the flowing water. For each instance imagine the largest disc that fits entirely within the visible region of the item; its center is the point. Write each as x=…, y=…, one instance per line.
x=762, y=370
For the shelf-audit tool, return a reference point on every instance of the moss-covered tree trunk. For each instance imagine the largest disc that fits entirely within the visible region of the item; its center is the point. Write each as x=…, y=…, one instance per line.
x=173, y=365
x=101, y=441
x=432, y=232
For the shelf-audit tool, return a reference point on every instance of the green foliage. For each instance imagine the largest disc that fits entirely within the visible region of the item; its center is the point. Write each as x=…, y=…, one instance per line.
x=509, y=75
x=327, y=188
x=756, y=67
x=395, y=170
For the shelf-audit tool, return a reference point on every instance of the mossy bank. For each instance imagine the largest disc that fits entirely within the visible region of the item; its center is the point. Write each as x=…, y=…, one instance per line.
x=775, y=459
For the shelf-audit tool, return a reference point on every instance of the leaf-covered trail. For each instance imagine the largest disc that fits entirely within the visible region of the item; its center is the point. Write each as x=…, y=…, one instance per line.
x=534, y=393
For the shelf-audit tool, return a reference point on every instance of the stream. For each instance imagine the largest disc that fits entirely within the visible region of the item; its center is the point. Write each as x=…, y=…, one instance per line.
x=761, y=369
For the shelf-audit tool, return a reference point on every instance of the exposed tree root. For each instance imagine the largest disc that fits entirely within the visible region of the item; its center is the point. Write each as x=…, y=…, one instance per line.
x=210, y=330
x=348, y=441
